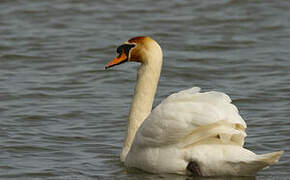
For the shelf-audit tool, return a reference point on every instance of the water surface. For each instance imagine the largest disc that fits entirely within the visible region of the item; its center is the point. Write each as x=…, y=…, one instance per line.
x=62, y=116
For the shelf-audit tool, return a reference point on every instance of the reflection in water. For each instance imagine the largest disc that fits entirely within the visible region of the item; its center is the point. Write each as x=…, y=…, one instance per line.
x=137, y=174
x=178, y=177
x=221, y=178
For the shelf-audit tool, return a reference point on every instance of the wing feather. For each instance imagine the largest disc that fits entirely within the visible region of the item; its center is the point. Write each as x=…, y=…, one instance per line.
x=188, y=117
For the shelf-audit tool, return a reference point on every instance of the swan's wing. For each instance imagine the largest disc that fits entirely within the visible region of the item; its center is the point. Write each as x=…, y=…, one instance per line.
x=188, y=117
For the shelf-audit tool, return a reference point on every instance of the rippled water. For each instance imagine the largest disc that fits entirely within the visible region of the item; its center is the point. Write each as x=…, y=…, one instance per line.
x=62, y=116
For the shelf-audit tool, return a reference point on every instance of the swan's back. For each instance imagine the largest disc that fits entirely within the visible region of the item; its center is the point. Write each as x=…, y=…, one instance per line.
x=188, y=117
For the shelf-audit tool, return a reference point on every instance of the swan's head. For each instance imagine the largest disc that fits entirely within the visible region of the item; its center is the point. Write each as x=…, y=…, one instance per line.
x=136, y=49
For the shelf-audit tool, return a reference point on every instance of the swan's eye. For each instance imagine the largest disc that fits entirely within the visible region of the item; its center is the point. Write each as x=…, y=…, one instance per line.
x=126, y=48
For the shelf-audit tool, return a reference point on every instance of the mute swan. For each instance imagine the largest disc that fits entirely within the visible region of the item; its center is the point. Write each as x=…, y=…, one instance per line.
x=190, y=132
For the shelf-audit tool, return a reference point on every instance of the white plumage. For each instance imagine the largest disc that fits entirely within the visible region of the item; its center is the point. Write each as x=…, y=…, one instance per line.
x=193, y=126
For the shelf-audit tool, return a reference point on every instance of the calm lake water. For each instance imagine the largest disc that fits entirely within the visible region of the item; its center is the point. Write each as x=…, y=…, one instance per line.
x=62, y=116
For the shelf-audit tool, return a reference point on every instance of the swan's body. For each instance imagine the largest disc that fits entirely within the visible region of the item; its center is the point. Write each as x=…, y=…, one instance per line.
x=189, y=132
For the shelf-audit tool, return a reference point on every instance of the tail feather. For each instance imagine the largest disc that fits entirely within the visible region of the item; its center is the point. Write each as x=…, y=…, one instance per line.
x=263, y=161
x=220, y=159
x=270, y=158
x=259, y=162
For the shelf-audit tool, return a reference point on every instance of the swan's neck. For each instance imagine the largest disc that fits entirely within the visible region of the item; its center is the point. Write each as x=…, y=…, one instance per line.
x=147, y=81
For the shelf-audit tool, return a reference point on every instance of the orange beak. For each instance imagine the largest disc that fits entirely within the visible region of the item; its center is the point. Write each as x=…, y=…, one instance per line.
x=118, y=60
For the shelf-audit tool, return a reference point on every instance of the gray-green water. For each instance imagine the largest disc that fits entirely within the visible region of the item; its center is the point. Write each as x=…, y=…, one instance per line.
x=62, y=116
